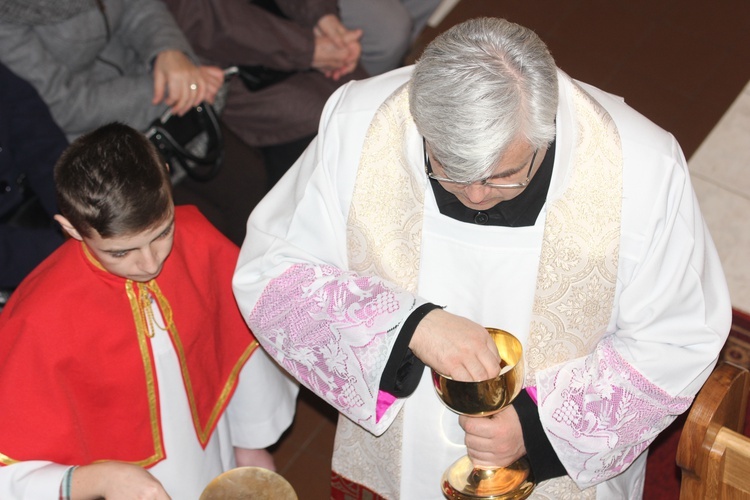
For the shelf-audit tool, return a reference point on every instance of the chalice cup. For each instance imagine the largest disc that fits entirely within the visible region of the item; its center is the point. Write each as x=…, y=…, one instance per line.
x=462, y=480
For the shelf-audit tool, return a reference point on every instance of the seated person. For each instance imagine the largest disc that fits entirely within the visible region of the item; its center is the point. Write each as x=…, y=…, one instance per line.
x=30, y=144
x=304, y=38
x=109, y=60
x=96, y=62
x=389, y=28
x=158, y=384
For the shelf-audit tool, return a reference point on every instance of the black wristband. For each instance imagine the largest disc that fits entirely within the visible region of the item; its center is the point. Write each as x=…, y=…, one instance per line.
x=544, y=462
x=403, y=371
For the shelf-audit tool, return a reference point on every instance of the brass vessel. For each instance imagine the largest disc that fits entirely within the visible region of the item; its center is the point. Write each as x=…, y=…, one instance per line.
x=463, y=481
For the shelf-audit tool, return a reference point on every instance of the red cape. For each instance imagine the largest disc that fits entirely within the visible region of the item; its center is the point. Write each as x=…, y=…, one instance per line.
x=77, y=377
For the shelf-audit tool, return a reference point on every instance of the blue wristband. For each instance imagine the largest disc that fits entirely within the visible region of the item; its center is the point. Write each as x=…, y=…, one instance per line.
x=66, y=483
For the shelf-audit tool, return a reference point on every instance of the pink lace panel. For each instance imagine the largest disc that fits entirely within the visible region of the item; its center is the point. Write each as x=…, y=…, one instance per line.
x=332, y=330
x=600, y=413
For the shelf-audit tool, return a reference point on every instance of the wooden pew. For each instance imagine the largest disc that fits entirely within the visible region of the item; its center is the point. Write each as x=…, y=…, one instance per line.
x=713, y=454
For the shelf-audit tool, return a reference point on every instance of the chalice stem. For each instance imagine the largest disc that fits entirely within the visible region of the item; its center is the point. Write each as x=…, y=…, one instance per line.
x=463, y=480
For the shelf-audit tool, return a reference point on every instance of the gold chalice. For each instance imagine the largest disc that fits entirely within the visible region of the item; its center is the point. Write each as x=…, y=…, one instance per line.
x=462, y=480
x=249, y=483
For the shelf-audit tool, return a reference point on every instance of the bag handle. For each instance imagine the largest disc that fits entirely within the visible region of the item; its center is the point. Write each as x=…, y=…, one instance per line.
x=190, y=162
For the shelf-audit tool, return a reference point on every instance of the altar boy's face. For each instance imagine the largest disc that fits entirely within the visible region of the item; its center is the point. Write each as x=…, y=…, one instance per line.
x=137, y=257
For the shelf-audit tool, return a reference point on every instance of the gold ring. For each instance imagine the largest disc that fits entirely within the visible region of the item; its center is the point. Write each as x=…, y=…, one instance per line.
x=193, y=87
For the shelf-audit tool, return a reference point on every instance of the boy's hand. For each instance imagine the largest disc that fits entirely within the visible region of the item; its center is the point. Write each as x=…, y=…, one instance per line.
x=115, y=481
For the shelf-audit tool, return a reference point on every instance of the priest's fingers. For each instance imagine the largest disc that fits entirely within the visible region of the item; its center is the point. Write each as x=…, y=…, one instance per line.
x=455, y=346
x=495, y=441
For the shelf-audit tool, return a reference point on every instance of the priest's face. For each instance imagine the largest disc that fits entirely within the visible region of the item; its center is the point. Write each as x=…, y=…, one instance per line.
x=517, y=166
x=137, y=257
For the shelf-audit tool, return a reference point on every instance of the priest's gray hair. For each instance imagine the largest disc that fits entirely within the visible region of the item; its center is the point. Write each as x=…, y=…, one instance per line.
x=477, y=88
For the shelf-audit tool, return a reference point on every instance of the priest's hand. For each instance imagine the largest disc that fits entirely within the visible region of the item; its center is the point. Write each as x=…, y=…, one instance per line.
x=495, y=441
x=115, y=481
x=254, y=458
x=455, y=346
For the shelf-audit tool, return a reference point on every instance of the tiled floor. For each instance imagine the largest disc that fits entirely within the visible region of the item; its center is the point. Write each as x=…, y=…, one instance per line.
x=682, y=63
x=719, y=172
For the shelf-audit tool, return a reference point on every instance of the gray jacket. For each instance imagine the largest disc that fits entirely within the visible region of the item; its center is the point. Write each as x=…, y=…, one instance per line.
x=95, y=67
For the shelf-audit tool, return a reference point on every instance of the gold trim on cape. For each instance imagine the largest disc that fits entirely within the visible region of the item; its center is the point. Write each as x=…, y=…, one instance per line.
x=140, y=307
x=142, y=331
x=202, y=431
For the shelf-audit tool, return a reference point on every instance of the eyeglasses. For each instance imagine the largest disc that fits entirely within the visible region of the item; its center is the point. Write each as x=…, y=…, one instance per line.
x=483, y=182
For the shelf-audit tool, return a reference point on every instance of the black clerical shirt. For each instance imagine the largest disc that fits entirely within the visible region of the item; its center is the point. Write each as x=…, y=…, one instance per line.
x=403, y=370
x=520, y=211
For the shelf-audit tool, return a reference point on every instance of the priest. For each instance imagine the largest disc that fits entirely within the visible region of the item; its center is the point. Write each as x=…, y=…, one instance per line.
x=484, y=187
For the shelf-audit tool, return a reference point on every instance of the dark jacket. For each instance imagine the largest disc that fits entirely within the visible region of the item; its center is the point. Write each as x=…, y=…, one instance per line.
x=238, y=32
x=30, y=144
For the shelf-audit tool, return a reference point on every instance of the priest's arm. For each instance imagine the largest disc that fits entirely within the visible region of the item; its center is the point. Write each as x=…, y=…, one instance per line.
x=671, y=316
x=331, y=328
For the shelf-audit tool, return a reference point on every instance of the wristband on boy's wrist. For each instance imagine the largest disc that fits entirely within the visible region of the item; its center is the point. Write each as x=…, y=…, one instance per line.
x=67, y=481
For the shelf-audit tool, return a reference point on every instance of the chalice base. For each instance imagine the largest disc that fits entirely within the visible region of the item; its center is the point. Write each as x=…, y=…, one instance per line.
x=463, y=481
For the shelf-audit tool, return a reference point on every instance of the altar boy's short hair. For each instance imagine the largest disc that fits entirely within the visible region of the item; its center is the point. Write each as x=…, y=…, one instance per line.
x=113, y=181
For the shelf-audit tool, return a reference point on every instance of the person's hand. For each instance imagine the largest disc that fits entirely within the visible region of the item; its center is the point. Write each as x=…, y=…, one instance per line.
x=330, y=26
x=334, y=61
x=213, y=76
x=180, y=84
x=455, y=346
x=254, y=458
x=495, y=441
x=115, y=481
x=337, y=49
x=355, y=50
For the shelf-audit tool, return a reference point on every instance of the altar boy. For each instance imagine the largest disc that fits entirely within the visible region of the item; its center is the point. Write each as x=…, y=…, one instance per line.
x=125, y=365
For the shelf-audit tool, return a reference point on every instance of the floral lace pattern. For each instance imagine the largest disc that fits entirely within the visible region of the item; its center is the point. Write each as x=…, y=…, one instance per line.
x=333, y=331
x=600, y=414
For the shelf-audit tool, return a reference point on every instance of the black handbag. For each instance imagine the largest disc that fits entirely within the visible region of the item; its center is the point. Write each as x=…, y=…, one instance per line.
x=192, y=143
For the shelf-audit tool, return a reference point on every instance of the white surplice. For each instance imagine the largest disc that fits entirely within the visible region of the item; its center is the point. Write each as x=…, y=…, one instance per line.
x=333, y=329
